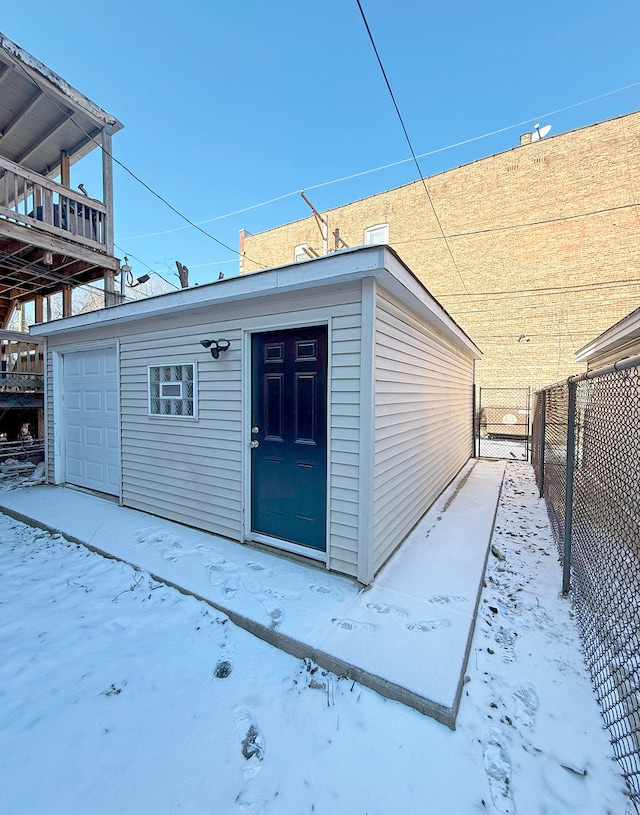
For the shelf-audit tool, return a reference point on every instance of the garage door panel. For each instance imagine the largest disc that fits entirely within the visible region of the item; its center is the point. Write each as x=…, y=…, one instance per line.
x=93, y=401
x=111, y=440
x=95, y=471
x=90, y=416
x=94, y=437
x=74, y=401
x=74, y=468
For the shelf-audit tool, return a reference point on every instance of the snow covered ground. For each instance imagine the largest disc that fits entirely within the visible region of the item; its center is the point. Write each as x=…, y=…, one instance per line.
x=121, y=695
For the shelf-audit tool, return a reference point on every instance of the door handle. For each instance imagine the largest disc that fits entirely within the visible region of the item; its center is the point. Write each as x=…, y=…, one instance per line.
x=254, y=443
x=255, y=430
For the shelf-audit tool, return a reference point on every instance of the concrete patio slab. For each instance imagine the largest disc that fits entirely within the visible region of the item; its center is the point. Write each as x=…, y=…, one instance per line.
x=407, y=635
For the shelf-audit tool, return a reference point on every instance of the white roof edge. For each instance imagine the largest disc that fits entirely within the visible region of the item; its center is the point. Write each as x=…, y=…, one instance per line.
x=62, y=86
x=618, y=334
x=340, y=267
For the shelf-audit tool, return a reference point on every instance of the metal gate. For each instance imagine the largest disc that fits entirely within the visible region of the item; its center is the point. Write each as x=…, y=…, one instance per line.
x=502, y=423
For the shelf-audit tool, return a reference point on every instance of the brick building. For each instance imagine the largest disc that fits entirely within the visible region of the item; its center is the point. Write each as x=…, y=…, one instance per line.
x=542, y=247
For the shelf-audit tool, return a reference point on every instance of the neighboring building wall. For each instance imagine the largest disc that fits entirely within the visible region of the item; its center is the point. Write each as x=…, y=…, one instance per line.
x=192, y=471
x=423, y=421
x=545, y=237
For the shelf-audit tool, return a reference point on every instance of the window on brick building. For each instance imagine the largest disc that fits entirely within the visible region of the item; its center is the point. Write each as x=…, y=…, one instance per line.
x=299, y=252
x=376, y=234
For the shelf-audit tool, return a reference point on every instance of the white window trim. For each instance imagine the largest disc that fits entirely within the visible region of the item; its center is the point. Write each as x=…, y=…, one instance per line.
x=299, y=254
x=370, y=230
x=169, y=416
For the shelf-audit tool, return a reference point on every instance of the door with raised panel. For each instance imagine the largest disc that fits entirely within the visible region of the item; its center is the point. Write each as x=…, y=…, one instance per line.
x=289, y=435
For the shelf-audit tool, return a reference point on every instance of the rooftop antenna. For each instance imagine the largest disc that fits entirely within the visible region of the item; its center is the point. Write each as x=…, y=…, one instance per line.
x=539, y=132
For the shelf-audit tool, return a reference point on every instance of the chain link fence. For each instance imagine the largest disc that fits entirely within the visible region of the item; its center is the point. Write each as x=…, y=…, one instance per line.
x=502, y=423
x=586, y=456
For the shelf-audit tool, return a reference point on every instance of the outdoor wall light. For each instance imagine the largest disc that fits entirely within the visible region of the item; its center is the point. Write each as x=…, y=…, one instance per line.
x=216, y=346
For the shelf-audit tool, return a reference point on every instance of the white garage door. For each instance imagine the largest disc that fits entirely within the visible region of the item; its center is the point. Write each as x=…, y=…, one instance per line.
x=90, y=416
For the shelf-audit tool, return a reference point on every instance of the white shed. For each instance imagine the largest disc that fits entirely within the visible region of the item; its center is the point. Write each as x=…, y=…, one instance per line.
x=329, y=405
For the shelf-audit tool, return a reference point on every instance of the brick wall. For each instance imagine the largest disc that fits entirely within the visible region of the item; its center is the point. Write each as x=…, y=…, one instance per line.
x=545, y=240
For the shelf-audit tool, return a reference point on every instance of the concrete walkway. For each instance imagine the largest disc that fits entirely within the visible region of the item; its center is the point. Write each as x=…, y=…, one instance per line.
x=407, y=635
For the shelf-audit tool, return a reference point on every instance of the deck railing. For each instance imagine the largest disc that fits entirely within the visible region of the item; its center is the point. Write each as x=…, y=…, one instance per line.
x=31, y=200
x=21, y=362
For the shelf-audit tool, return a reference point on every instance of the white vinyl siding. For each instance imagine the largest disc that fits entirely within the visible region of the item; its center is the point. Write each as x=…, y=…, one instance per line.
x=193, y=471
x=344, y=439
x=423, y=433
x=188, y=471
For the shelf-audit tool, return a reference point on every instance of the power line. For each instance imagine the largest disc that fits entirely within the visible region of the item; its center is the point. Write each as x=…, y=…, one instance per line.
x=413, y=154
x=388, y=166
x=146, y=265
x=518, y=293
x=542, y=222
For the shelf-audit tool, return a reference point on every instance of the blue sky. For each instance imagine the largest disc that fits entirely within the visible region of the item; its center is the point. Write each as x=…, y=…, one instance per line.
x=227, y=105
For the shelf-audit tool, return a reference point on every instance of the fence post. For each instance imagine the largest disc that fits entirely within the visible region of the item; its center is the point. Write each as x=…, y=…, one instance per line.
x=543, y=432
x=568, y=506
x=474, y=420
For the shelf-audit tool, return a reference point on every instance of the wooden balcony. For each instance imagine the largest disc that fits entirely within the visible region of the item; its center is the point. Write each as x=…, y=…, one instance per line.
x=52, y=237
x=21, y=370
x=30, y=201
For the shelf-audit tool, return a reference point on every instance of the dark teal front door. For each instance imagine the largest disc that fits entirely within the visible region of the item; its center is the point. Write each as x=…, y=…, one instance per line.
x=289, y=435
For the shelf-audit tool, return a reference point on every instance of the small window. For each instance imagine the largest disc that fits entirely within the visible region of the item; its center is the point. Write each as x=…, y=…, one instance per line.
x=376, y=234
x=172, y=390
x=299, y=252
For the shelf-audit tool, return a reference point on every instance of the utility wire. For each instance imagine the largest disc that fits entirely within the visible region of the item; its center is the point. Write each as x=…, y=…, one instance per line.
x=146, y=265
x=350, y=177
x=511, y=294
x=413, y=154
x=506, y=227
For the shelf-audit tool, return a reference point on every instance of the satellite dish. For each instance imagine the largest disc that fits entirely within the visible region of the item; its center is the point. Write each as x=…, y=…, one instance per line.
x=540, y=132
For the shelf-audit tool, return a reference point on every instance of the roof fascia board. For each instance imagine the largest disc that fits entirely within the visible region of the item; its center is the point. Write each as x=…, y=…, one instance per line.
x=57, y=85
x=619, y=334
x=340, y=267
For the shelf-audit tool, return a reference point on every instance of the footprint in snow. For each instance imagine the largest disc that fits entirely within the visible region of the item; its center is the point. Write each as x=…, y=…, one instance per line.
x=252, y=743
x=325, y=591
x=154, y=536
x=497, y=766
x=281, y=594
x=526, y=704
x=354, y=625
x=506, y=640
x=426, y=626
x=230, y=587
x=223, y=669
x=224, y=665
x=276, y=614
x=383, y=608
x=219, y=571
x=445, y=599
x=258, y=567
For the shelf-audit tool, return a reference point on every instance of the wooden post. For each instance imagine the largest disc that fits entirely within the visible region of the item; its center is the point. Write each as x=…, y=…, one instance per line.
x=39, y=308
x=109, y=289
x=107, y=190
x=67, y=308
x=65, y=170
